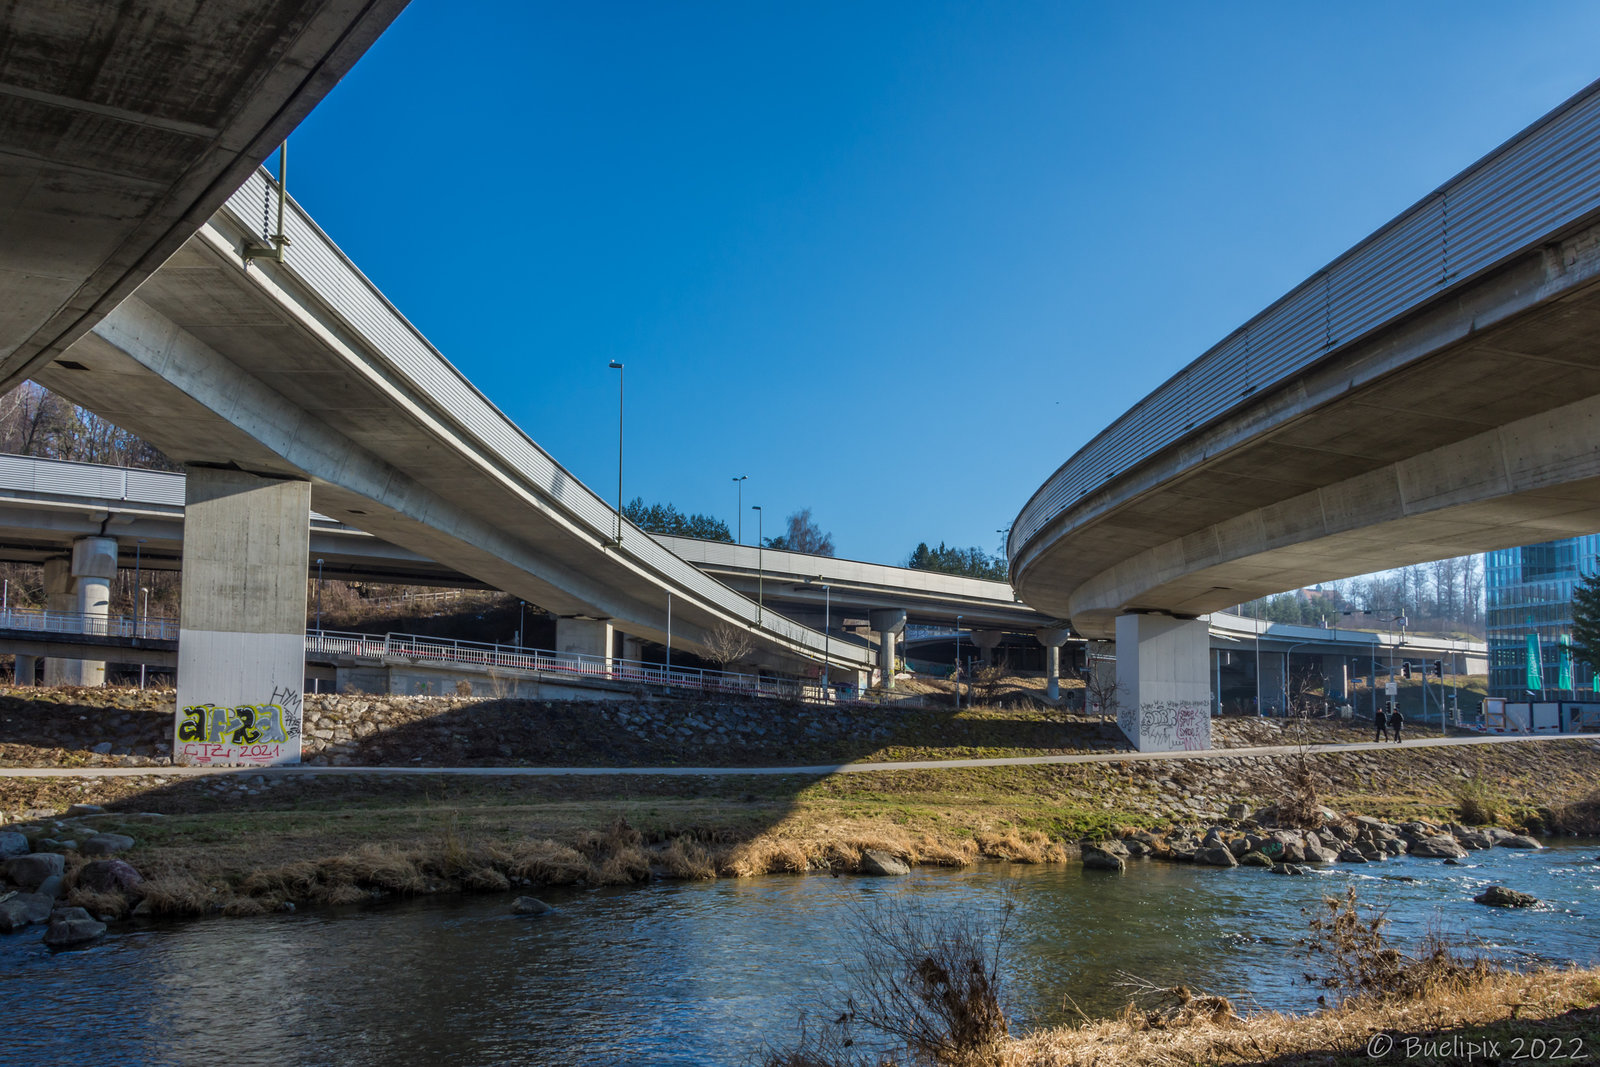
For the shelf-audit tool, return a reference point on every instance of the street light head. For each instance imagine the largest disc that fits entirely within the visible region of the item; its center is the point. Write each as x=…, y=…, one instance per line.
x=615, y=365
x=755, y=507
x=741, y=477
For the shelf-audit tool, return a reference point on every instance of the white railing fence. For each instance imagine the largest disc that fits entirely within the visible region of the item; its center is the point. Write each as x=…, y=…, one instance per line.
x=442, y=650
x=44, y=621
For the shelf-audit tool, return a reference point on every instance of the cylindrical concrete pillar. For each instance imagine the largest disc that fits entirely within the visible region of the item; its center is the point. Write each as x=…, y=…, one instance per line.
x=1052, y=640
x=94, y=564
x=887, y=622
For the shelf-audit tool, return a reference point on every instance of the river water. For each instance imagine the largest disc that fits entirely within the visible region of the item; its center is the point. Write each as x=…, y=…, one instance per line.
x=702, y=973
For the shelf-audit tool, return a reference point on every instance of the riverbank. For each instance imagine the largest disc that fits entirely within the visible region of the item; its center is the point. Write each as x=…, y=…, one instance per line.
x=246, y=842
x=133, y=728
x=1543, y=1016
x=243, y=844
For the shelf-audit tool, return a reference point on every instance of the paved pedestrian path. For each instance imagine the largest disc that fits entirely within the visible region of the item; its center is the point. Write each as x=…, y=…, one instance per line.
x=811, y=770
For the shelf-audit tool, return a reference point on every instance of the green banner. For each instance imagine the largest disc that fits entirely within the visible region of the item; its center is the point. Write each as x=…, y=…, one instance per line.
x=1535, y=675
x=1564, y=679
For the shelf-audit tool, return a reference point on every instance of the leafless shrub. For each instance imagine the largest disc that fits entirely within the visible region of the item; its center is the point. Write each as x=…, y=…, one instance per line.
x=1298, y=802
x=1579, y=817
x=929, y=984
x=1359, y=958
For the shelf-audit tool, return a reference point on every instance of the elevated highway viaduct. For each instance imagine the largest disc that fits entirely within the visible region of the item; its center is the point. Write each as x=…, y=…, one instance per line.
x=1433, y=391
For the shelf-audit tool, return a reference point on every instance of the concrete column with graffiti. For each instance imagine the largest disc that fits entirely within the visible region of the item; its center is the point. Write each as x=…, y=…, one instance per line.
x=241, y=638
x=1163, y=682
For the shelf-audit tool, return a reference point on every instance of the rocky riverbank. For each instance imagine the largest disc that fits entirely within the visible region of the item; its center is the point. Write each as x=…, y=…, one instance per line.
x=133, y=728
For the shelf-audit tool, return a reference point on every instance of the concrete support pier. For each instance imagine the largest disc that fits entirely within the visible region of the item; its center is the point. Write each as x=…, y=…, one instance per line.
x=887, y=622
x=1052, y=640
x=1163, y=683
x=587, y=637
x=26, y=671
x=81, y=585
x=987, y=641
x=241, y=638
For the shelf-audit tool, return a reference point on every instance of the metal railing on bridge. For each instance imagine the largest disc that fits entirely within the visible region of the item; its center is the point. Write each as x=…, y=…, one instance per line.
x=443, y=651
x=43, y=621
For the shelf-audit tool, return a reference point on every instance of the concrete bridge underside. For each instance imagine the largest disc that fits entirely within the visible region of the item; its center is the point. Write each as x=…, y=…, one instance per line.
x=1469, y=426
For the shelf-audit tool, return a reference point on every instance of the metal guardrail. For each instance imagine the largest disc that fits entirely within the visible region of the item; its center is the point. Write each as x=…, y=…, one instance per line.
x=317, y=263
x=482, y=654
x=1539, y=183
x=36, y=620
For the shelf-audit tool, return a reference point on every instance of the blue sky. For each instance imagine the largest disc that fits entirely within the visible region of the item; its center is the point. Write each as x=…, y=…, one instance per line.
x=894, y=262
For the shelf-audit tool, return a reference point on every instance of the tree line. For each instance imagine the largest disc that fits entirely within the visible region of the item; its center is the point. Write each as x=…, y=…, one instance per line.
x=1441, y=597
x=36, y=422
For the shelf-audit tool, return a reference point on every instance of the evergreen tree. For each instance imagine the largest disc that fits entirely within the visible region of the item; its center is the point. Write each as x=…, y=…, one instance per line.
x=667, y=519
x=1586, y=620
x=968, y=562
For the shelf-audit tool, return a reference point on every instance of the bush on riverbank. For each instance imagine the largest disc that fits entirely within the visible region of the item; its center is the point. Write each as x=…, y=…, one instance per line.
x=1582, y=817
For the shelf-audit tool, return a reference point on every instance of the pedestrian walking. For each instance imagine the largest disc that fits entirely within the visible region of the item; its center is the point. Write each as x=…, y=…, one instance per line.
x=1395, y=722
x=1380, y=722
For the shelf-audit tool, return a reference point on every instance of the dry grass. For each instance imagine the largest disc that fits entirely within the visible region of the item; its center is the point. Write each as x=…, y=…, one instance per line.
x=685, y=860
x=99, y=904
x=1540, y=1001
x=1026, y=846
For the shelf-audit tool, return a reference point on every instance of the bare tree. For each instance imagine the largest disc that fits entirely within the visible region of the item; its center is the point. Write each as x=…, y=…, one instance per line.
x=727, y=645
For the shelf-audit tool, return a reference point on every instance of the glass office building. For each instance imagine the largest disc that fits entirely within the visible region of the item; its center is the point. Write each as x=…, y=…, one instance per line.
x=1528, y=590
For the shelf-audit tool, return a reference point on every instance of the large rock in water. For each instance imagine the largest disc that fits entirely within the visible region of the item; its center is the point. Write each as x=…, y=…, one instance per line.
x=1217, y=856
x=22, y=909
x=1518, y=841
x=529, y=906
x=1438, y=847
x=1498, y=896
x=881, y=864
x=64, y=932
x=28, y=872
x=1255, y=859
x=1095, y=859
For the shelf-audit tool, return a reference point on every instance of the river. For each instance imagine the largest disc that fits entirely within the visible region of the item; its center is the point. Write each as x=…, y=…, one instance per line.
x=702, y=973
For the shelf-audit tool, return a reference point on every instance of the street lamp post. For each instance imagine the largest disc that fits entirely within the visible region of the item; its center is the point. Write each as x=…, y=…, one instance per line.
x=1286, y=655
x=958, y=662
x=739, y=511
x=319, y=595
x=827, y=621
x=620, y=378
x=145, y=593
x=138, y=547
x=760, y=571
x=1255, y=612
x=522, y=624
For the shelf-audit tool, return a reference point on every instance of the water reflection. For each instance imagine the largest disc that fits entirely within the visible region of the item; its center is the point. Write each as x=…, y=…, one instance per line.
x=682, y=973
